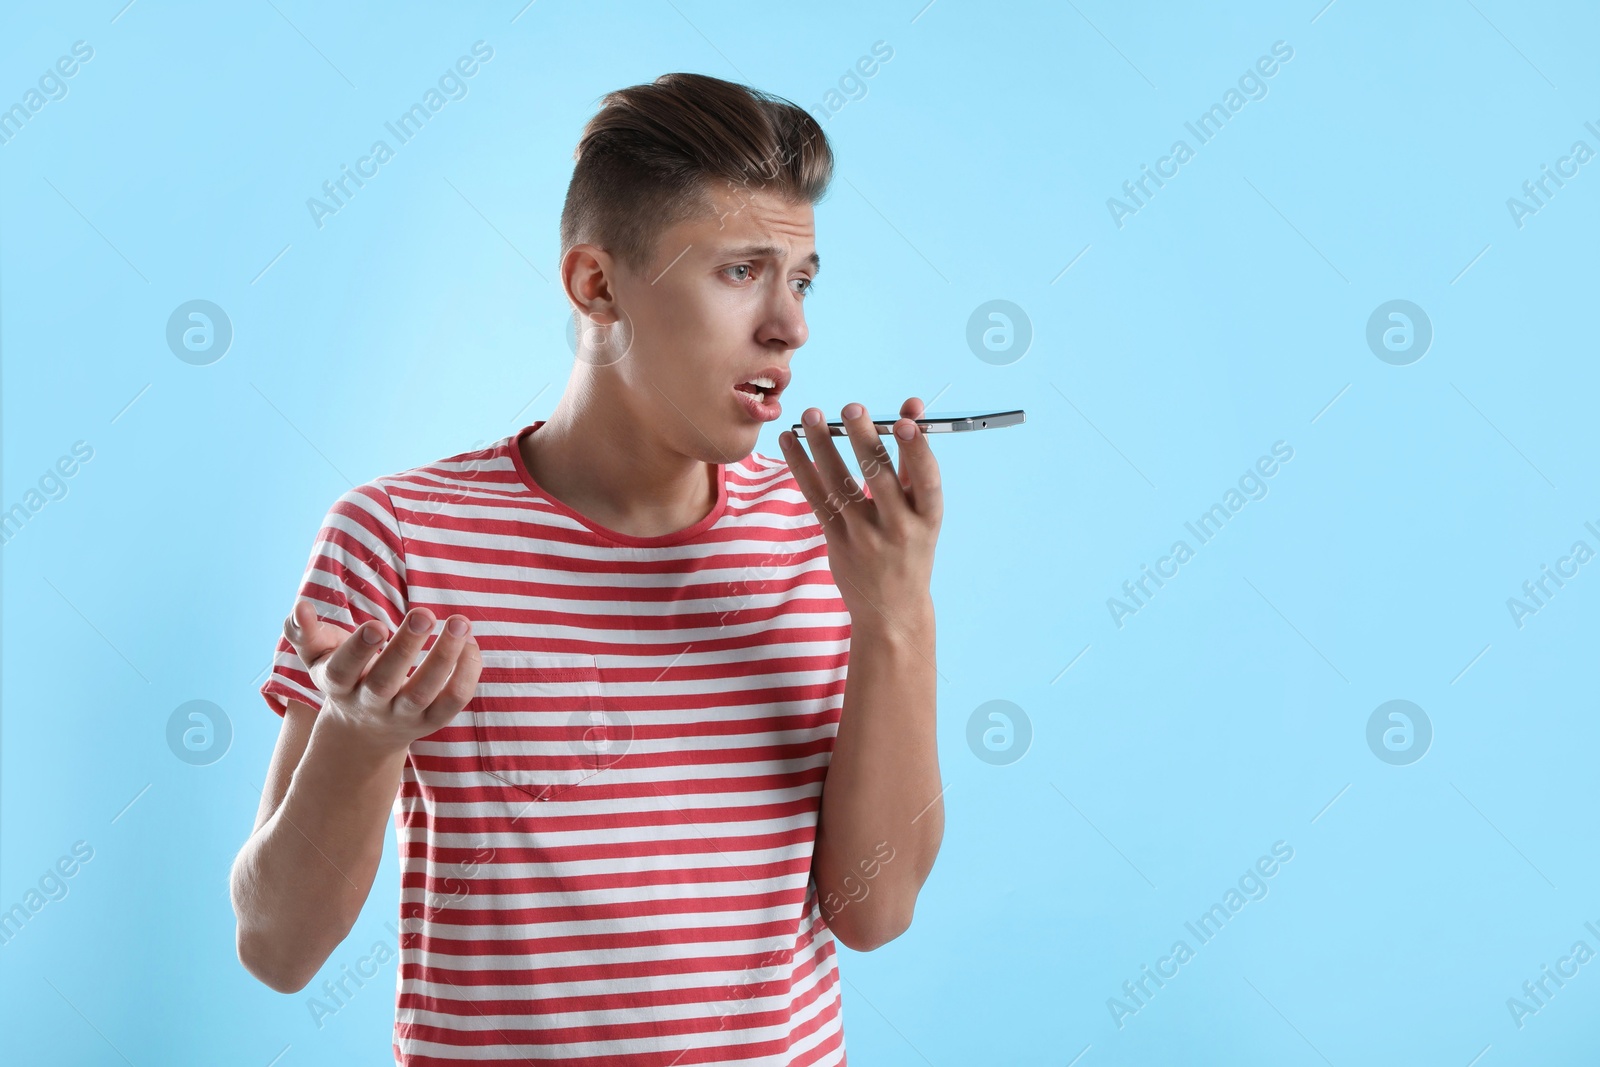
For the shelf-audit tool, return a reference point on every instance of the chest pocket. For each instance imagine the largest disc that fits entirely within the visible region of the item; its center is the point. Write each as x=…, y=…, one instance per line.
x=540, y=721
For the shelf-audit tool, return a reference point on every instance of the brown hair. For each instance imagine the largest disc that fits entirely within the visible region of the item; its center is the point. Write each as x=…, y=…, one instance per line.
x=646, y=157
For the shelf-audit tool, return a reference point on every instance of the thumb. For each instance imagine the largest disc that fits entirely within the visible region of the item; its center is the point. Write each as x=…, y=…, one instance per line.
x=311, y=637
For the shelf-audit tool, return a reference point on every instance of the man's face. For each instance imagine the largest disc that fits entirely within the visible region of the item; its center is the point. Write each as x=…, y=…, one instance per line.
x=722, y=303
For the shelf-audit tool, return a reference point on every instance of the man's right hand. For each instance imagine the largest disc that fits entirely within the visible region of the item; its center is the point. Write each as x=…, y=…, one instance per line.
x=375, y=698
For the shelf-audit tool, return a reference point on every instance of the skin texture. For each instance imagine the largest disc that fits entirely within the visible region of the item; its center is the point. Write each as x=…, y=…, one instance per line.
x=633, y=444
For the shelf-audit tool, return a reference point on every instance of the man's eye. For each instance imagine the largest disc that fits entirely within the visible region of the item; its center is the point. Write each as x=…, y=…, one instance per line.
x=744, y=267
x=806, y=285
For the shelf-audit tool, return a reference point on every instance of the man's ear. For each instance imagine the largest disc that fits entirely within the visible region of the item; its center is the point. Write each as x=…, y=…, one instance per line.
x=588, y=273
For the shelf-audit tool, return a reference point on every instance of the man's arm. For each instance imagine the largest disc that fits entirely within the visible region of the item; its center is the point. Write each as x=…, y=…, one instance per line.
x=882, y=815
x=300, y=882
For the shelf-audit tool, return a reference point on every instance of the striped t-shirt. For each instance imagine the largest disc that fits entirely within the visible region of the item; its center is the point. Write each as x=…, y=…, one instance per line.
x=606, y=855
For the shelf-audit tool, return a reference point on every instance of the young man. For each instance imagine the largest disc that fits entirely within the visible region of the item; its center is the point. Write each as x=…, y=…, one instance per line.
x=635, y=796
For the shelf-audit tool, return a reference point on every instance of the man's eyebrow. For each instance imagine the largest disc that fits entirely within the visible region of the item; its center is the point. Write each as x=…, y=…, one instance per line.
x=766, y=252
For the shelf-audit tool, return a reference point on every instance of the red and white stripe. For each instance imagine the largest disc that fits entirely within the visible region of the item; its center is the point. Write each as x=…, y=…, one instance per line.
x=606, y=856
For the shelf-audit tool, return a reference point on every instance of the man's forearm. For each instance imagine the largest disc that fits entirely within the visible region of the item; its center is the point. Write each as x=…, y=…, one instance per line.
x=881, y=817
x=300, y=882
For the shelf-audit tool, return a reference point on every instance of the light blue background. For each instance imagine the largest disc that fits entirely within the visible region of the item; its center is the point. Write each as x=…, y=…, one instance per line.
x=1223, y=317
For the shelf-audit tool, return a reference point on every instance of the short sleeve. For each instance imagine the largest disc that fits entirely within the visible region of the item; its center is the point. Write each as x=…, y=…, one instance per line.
x=357, y=572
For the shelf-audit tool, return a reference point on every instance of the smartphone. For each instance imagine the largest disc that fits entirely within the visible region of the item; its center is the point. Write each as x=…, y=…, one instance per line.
x=937, y=422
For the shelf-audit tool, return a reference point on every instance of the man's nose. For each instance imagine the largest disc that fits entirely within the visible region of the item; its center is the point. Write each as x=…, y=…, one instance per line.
x=785, y=323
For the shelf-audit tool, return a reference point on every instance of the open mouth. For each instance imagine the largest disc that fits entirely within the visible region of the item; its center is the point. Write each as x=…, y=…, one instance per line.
x=759, y=393
x=759, y=387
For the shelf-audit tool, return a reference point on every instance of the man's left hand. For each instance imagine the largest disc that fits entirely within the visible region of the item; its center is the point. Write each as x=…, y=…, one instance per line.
x=881, y=541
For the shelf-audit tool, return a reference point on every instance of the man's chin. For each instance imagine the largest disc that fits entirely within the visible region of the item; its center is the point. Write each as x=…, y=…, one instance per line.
x=725, y=444
x=739, y=447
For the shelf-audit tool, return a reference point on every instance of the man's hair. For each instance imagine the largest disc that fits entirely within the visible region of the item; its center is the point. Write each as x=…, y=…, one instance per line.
x=648, y=157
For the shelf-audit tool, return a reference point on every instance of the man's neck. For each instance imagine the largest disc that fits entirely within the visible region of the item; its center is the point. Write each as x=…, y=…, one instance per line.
x=616, y=472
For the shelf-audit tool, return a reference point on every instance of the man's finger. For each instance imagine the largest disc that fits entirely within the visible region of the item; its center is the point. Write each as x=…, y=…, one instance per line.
x=877, y=466
x=912, y=409
x=391, y=669
x=343, y=668
x=422, y=688
x=311, y=637
x=839, y=488
x=805, y=475
x=314, y=641
x=460, y=689
x=919, y=473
